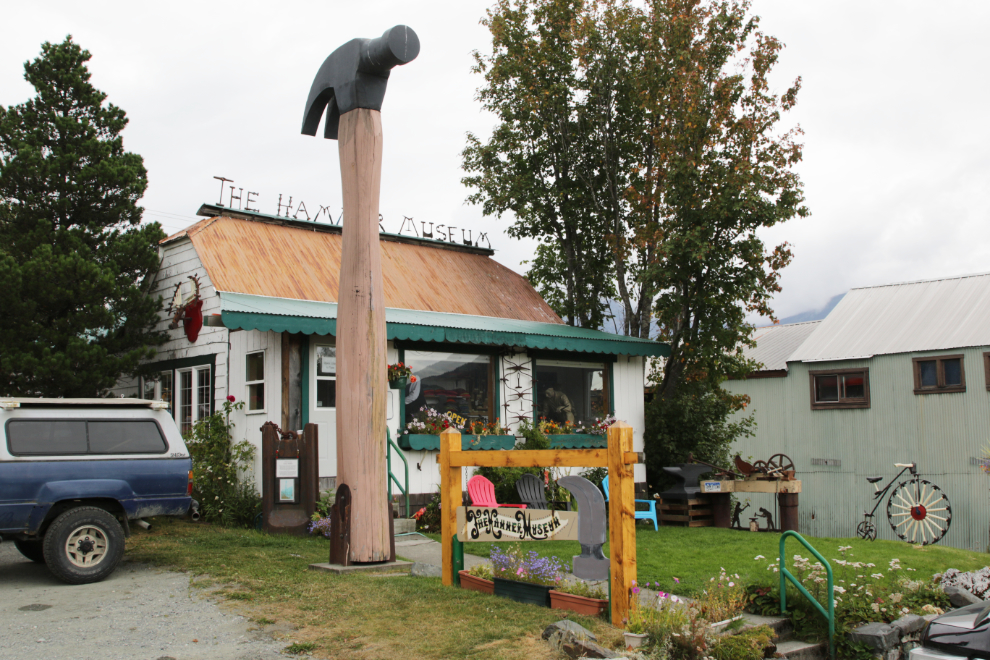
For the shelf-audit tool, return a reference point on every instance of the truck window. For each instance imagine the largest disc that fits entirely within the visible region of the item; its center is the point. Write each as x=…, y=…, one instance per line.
x=125, y=436
x=46, y=437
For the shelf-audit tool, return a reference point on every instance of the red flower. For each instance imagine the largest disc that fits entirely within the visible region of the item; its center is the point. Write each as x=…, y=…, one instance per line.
x=412, y=379
x=230, y=397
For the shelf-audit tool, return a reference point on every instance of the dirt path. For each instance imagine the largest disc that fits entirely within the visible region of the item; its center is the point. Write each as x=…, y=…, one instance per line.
x=138, y=612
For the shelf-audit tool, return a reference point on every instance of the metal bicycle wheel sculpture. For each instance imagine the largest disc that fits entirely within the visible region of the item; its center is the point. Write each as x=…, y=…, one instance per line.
x=780, y=463
x=919, y=512
x=867, y=530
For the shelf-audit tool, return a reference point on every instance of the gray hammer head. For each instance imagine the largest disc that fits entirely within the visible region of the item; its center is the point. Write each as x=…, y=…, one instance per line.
x=355, y=75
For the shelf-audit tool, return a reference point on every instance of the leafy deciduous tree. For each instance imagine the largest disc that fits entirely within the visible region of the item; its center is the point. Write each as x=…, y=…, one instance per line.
x=73, y=254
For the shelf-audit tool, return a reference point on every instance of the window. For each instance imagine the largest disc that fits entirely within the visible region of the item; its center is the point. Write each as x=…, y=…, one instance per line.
x=944, y=373
x=842, y=388
x=326, y=376
x=139, y=436
x=255, y=377
x=195, y=389
x=158, y=388
x=46, y=437
x=575, y=392
x=450, y=382
x=986, y=369
x=68, y=437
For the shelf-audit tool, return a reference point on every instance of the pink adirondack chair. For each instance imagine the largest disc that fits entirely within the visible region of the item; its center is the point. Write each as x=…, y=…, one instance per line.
x=482, y=493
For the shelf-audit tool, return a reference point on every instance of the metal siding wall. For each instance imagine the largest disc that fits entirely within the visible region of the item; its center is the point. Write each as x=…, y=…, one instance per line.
x=941, y=432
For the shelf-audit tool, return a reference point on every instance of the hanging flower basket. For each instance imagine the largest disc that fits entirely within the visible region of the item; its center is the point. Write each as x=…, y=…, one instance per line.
x=579, y=604
x=523, y=592
x=398, y=383
x=475, y=583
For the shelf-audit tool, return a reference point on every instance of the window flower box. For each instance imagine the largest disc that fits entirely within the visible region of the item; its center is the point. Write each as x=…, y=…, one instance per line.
x=475, y=583
x=523, y=592
x=577, y=441
x=423, y=441
x=579, y=604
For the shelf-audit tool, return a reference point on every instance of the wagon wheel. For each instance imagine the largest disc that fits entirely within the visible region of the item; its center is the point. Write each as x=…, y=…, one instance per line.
x=780, y=463
x=867, y=530
x=760, y=467
x=919, y=512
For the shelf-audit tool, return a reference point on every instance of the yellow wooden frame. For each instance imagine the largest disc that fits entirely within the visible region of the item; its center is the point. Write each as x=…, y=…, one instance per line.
x=618, y=458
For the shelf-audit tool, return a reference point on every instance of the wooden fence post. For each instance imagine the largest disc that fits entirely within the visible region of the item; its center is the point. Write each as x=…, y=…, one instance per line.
x=450, y=499
x=622, y=520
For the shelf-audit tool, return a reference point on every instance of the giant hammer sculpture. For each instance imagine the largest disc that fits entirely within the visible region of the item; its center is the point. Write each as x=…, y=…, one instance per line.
x=350, y=86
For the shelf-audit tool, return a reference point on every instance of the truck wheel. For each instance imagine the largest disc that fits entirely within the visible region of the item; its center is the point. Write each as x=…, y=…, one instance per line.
x=84, y=545
x=33, y=550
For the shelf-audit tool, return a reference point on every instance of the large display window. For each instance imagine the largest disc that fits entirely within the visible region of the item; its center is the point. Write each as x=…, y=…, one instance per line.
x=574, y=392
x=450, y=382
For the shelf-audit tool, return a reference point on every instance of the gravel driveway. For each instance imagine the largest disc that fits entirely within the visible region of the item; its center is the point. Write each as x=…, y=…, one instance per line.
x=138, y=612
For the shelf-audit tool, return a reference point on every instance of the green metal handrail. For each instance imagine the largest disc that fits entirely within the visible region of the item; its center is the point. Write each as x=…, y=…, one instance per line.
x=402, y=489
x=784, y=573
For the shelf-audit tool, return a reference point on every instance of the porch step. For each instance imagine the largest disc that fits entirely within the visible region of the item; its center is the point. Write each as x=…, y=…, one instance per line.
x=798, y=650
x=781, y=626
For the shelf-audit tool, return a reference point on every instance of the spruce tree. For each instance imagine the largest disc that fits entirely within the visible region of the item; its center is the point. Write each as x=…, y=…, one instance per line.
x=75, y=259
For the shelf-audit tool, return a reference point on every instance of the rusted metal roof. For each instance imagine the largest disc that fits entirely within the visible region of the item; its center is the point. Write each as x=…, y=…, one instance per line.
x=902, y=318
x=776, y=343
x=268, y=259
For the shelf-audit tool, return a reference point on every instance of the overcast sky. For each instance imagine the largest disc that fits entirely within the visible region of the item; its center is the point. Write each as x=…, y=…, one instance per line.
x=894, y=109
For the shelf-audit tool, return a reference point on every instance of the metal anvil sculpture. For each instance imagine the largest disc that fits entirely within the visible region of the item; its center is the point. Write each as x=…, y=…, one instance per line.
x=591, y=564
x=351, y=87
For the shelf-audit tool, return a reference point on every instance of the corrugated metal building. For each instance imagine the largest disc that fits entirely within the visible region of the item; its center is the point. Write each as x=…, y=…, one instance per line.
x=482, y=341
x=894, y=374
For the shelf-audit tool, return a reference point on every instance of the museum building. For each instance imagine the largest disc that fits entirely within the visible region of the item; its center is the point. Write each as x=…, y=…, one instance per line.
x=481, y=341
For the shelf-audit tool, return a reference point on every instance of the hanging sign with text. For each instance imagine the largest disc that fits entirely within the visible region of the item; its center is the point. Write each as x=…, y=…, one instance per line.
x=475, y=523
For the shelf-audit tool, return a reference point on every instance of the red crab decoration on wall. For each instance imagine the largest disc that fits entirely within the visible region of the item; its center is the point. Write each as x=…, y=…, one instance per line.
x=188, y=309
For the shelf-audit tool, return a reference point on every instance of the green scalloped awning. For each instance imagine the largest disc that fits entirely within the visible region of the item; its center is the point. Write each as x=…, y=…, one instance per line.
x=241, y=311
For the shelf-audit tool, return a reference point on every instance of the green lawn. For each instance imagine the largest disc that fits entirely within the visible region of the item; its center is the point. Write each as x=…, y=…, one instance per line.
x=360, y=616
x=695, y=555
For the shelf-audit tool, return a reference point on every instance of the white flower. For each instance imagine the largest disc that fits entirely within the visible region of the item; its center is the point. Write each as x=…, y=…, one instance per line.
x=876, y=607
x=896, y=598
x=877, y=576
x=871, y=565
x=759, y=557
x=905, y=610
x=840, y=590
x=732, y=584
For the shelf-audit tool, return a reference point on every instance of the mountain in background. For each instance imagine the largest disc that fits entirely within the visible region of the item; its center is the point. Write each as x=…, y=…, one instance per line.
x=814, y=315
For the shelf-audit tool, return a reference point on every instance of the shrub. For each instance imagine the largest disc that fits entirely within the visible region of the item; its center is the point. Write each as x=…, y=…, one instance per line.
x=222, y=470
x=428, y=517
x=746, y=645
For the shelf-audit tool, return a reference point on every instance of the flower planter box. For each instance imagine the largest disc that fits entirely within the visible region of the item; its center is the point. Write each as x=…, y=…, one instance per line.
x=579, y=604
x=475, y=583
x=577, y=441
x=421, y=441
x=523, y=592
x=398, y=384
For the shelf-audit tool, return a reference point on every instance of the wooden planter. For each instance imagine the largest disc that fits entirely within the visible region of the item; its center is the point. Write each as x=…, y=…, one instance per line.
x=475, y=583
x=577, y=441
x=421, y=441
x=580, y=604
x=523, y=592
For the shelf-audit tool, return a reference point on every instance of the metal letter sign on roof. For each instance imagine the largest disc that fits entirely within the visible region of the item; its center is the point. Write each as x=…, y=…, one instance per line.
x=355, y=76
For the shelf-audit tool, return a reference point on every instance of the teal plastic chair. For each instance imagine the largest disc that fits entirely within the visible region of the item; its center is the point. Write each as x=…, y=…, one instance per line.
x=649, y=514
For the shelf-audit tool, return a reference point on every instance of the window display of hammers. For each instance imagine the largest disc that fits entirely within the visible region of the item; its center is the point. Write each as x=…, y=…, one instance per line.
x=350, y=87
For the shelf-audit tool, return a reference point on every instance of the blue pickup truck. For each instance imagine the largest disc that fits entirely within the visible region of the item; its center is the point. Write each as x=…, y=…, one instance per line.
x=74, y=472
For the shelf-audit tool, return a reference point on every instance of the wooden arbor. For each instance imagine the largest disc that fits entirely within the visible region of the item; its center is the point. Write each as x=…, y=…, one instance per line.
x=618, y=458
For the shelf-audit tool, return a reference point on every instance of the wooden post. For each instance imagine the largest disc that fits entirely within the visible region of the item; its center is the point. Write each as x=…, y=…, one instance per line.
x=450, y=499
x=362, y=385
x=622, y=520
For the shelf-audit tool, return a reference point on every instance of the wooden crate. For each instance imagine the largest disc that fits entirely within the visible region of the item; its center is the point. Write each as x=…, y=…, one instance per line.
x=697, y=512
